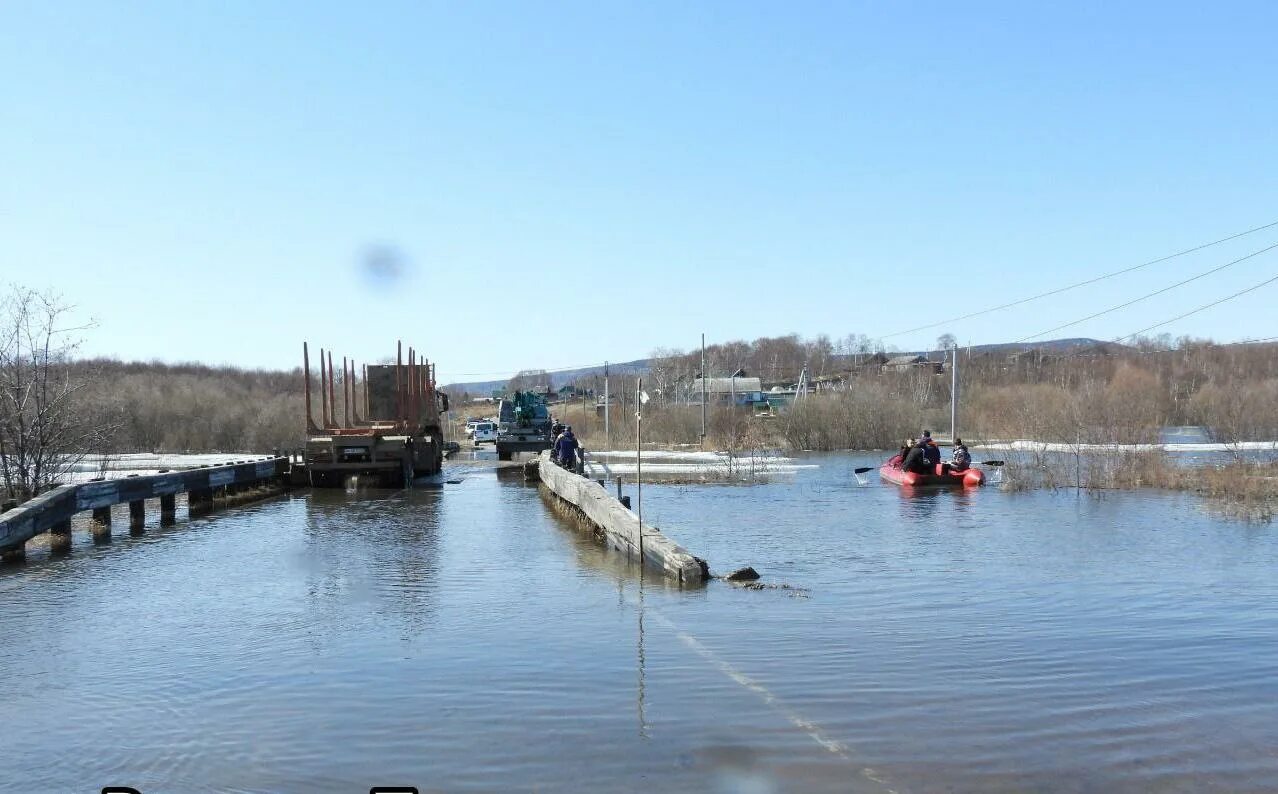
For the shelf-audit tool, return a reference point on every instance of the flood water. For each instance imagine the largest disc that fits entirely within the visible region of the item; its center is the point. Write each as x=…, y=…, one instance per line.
x=467, y=638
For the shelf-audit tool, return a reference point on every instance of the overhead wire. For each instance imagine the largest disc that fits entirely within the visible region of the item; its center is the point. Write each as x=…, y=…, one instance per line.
x=1205, y=307
x=1088, y=282
x=507, y=373
x=1148, y=295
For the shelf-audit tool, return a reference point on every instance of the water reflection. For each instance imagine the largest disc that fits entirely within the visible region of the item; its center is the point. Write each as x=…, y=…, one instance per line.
x=375, y=548
x=470, y=639
x=643, y=717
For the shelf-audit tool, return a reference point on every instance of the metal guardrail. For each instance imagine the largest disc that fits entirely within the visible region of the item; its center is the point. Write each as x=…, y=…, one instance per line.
x=55, y=507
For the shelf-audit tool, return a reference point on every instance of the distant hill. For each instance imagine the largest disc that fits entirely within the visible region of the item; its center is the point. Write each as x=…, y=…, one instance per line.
x=1054, y=345
x=557, y=378
x=641, y=366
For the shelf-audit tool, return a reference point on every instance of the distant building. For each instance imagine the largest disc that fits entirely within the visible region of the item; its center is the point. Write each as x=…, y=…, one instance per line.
x=906, y=363
x=731, y=390
x=903, y=362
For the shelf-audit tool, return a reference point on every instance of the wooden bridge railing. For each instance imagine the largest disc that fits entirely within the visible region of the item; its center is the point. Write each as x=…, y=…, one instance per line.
x=52, y=510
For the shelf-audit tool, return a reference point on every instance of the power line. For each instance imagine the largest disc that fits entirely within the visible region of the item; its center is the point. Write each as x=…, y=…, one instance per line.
x=1204, y=307
x=1059, y=290
x=1148, y=295
x=507, y=373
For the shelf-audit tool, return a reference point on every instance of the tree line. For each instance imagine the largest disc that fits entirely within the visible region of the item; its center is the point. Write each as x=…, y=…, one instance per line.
x=1098, y=394
x=57, y=408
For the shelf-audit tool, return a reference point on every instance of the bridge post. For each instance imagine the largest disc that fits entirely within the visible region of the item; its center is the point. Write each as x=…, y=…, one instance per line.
x=200, y=500
x=60, y=537
x=14, y=555
x=137, y=515
x=168, y=509
x=101, y=524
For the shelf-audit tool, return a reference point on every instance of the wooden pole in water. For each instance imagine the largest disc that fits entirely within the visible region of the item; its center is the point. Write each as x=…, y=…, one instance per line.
x=639, y=463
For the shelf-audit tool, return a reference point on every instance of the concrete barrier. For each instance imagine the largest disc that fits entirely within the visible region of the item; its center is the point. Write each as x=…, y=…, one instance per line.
x=619, y=527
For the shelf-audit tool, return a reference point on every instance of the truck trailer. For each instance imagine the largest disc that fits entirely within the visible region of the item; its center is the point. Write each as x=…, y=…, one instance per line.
x=389, y=428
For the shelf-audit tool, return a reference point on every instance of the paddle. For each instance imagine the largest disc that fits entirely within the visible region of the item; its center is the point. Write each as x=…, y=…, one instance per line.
x=863, y=470
x=993, y=463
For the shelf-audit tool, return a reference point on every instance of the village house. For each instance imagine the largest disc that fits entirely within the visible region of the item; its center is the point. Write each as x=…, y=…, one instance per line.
x=733, y=390
x=906, y=363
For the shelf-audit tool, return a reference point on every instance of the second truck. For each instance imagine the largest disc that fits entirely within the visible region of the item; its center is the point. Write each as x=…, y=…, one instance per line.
x=523, y=424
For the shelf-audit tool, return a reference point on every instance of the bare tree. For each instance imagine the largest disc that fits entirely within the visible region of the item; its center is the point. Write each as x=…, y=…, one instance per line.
x=537, y=380
x=47, y=425
x=669, y=370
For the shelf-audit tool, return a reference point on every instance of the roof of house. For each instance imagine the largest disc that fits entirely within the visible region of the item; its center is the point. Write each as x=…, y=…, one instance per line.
x=728, y=385
x=901, y=361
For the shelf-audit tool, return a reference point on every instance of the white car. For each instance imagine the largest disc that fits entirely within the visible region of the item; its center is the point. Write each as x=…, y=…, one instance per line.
x=485, y=431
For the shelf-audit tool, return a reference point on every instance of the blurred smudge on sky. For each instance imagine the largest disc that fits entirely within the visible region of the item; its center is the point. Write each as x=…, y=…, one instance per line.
x=383, y=267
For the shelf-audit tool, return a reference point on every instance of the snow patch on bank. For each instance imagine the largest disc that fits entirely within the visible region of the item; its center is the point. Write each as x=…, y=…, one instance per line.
x=1024, y=445
x=145, y=463
x=692, y=464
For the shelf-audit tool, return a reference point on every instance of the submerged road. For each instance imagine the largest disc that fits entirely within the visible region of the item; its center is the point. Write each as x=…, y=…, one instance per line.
x=464, y=638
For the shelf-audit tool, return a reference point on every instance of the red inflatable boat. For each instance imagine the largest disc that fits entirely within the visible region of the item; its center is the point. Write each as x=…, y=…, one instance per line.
x=943, y=476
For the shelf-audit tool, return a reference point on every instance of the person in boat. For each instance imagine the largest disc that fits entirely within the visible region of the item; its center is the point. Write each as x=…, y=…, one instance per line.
x=930, y=450
x=916, y=459
x=962, y=458
x=898, y=460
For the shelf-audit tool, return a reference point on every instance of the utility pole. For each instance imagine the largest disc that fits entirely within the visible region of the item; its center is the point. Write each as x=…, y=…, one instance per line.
x=639, y=462
x=607, y=407
x=703, y=392
x=954, y=394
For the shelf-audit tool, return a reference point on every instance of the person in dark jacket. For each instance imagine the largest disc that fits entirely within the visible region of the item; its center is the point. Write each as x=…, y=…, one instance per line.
x=566, y=450
x=930, y=450
x=915, y=460
x=962, y=458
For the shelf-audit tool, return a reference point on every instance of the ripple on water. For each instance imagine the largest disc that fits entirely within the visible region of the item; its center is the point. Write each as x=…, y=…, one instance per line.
x=466, y=638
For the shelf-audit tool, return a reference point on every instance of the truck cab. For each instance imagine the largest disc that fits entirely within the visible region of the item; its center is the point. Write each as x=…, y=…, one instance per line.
x=523, y=425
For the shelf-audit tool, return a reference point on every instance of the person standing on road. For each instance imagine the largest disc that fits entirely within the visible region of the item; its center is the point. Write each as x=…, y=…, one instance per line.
x=566, y=450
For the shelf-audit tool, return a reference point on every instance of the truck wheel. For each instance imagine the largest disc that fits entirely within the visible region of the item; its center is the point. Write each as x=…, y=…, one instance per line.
x=503, y=454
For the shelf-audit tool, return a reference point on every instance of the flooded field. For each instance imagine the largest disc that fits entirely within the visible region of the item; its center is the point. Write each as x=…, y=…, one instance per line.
x=465, y=638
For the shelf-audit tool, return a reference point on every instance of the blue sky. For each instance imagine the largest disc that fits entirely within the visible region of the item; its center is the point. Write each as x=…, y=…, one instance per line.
x=568, y=183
